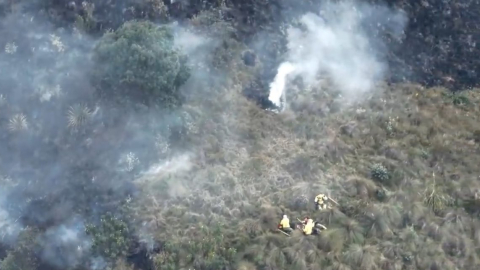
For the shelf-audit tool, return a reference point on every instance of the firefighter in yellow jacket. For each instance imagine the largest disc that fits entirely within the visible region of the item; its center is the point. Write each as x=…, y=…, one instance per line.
x=308, y=227
x=285, y=224
x=320, y=201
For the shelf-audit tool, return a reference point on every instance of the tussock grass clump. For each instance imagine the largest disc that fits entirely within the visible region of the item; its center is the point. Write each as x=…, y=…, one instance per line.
x=361, y=257
x=361, y=187
x=437, y=201
x=352, y=231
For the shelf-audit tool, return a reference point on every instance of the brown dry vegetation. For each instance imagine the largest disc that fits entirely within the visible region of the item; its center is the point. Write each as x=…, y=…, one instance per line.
x=251, y=166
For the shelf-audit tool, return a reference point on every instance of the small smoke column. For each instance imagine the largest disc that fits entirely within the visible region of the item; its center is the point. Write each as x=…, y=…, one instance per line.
x=338, y=45
x=277, y=87
x=176, y=164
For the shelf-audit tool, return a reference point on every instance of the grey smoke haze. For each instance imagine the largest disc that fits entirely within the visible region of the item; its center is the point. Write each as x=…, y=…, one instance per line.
x=65, y=245
x=9, y=227
x=66, y=173
x=44, y=75
x=340, y=41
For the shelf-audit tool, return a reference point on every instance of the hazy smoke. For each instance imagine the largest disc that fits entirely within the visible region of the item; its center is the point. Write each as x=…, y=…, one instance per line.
x=8, y=226
x=176, y=164
x=340, y=44
x=65, y=245
x=72, y=158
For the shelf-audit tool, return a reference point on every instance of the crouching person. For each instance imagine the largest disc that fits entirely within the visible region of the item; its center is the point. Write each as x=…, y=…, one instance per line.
x=285, y=224
x=308, y=228
x=312, y=227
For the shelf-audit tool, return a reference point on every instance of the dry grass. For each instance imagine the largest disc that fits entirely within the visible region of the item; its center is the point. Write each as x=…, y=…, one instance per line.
x=258, y=165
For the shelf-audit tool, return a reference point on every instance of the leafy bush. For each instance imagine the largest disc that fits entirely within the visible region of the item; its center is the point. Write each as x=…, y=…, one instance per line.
x=109, y=237
x=379, y=172
x=457, y=99
x=139, y=63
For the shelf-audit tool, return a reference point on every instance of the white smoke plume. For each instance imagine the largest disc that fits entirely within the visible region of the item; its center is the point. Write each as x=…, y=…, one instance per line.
x=335, y=43
x=174, y=165
x=278, y=85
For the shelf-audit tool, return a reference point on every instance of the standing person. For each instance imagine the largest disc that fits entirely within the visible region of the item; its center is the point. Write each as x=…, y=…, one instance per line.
x=320, y=201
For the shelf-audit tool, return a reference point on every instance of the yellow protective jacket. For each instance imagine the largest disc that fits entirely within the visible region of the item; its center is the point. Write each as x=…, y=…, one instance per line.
x=285, y=223
x=308, y=228
x=319, y=198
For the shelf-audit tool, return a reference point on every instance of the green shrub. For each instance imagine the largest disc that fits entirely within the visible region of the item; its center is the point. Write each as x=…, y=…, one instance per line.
x=110, y=237
x=458, y=99
x=379, y=172
x=138, y=63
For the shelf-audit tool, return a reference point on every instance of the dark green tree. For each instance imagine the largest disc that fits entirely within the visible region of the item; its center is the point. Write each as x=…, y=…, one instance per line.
x=110, y=237
x=139, y=63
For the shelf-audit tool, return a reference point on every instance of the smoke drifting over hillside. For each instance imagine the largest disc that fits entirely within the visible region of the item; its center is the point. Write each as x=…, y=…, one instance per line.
x=49, y=124
x=338, y=42
x=67, y=159
x=65, y=245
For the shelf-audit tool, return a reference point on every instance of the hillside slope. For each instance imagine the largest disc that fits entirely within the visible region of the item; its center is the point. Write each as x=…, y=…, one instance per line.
x=256, y=166
x=89, y=185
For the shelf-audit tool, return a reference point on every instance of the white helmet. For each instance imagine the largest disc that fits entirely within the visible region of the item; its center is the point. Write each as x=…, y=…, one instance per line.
x=285, y=216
